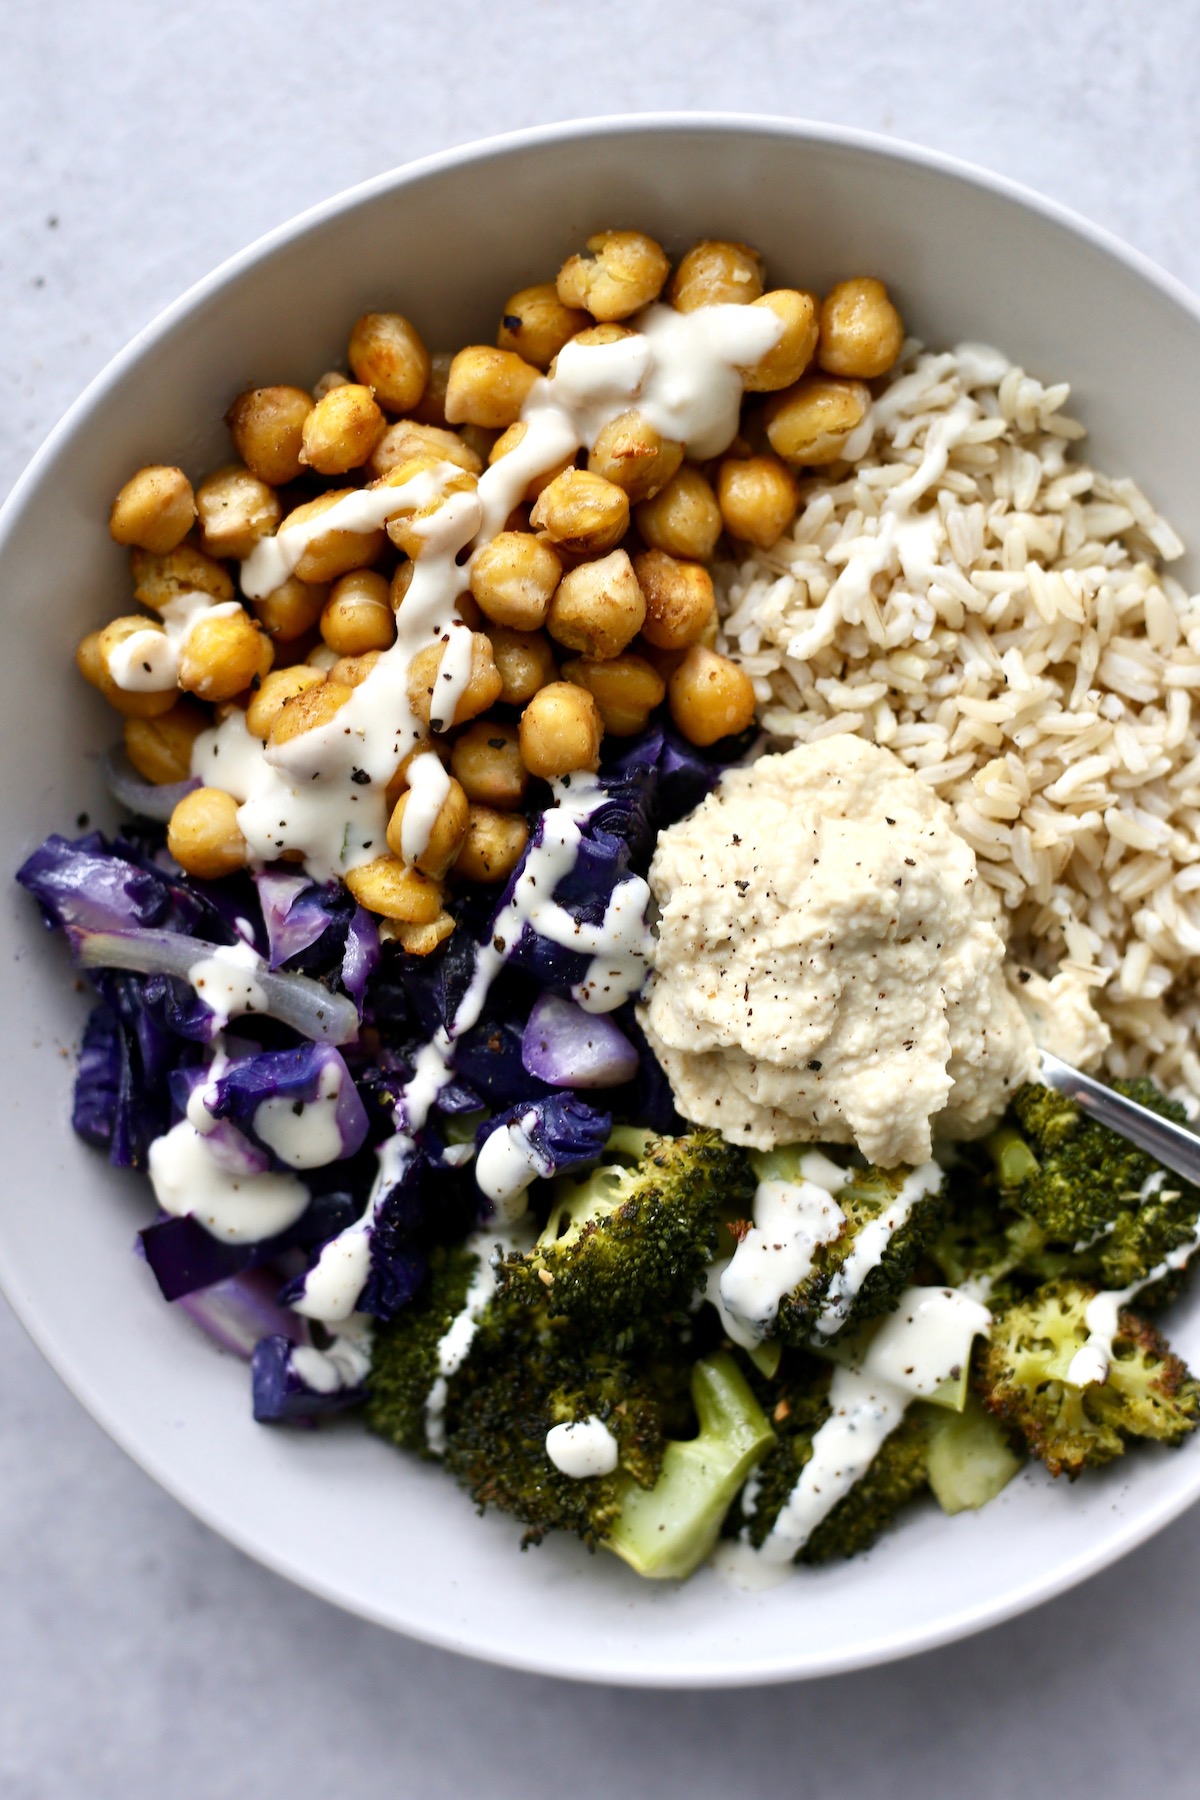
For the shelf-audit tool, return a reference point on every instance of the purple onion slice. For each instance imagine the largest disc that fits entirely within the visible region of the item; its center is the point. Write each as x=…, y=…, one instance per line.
x=568, y=1047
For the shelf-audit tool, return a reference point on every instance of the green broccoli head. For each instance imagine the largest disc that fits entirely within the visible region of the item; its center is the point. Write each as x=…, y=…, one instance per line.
x=896, y=1474
x=1086, y=1186
x=890, y=1217
x=628, y=1242
x=405, y=1355
x=1021, y=1375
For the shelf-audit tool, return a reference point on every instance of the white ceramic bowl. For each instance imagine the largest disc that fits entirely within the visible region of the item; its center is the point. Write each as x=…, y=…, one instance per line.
x=967, y=256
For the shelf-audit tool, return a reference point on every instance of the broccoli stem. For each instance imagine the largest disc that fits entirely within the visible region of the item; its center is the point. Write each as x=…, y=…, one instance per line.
x=667, y=1531
x=1014, y=1160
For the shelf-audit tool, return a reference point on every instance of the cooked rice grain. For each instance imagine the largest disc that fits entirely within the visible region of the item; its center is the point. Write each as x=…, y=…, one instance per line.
x=1030, y=658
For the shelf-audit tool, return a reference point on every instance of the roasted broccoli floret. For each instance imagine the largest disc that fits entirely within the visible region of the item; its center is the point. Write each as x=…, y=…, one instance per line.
x=523, y=1373
x=1092, y=1193
x=896, y=1474
x=629, y=1242
x=861, y=1272
x=1021, y=1375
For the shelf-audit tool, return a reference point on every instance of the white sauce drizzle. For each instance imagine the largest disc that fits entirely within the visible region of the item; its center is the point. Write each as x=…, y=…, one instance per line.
x=507, y=1163
x=582, y=1449
x=343, y=1364
x=147, y=662
x=455, y=1343
x=869, y=1247
x=1090, y=1363
x=919, y=1346
x=304, y=1134
x=792, y=1219
x=227, y=981
x=428, y=786
x=237, y=1206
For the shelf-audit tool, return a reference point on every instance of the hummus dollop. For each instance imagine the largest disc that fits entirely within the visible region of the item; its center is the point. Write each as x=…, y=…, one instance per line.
x=829, y=965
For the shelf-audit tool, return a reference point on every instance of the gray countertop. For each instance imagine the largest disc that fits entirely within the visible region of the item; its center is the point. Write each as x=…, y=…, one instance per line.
x=143, y=143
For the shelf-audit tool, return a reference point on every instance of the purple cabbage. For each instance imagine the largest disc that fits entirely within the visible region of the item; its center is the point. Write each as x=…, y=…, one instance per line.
x=294, y=1076
x=318, y=929
x=185, y=1258
x=98, y=1079
x=570, y=1048
x=239, y=1312
x=85, y=883
x=282, y=1396
x=565, y=1133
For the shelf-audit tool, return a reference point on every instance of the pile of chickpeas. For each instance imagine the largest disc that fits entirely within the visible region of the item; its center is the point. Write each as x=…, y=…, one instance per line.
x=592, y=608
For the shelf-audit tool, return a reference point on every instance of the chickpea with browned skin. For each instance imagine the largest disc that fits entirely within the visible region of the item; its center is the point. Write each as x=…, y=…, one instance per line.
x=235, y=511
x=311, y=707
x=446, y=835
x=336, y=551
x=487, y=387
x=222, y=655
x=431, y=407
x=710, y=697
x=582, y=513
x=419, y=940
x=861, y=332
x=617, y=274
x=358, y=614
x=482, y=688
x=267, y=428
x=513, y=579
x=160, y=748
x=154, y=511
x=626, y=689
x=788, y=358
x=629, y=452
x=536, y=324
x=342, y=430
x=291, y=609
x=407, y=439
x=388, y=357
x=524, y=661
x=277, y=688
x=204, y=837
x=494, y=845
x=716, y=273
x=486, y=761
x=809, y=424
x=161, y=577
x=561, y=729
x=684, y=519
x=680, y=599
x=758, y=497
x=598, y=608
x=390, y=888
x=504, y=446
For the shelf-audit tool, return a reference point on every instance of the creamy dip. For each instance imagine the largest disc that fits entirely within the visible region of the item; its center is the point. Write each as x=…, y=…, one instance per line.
x=829, y=967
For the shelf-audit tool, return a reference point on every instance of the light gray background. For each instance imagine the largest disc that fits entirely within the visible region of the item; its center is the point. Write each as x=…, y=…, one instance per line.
x=142, y=143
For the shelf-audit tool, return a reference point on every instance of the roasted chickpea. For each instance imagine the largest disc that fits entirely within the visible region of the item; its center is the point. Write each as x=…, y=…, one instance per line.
x=684, y=519
x=631, y=453
x=494, y=845
x=160, y=749
x=279, y=686
x=388, y=887
x=561, y=729
x=154, y=510
x=710, y=697
x=582, y=512
x=536, y=324
x=809, y=424
x=679, y=599
x=92, y=658
x=421, y=746
x=353, y=670
x=442, y=842
x=323, y=658
x=358, y=614
x=342, y=430
x=418, y=940
x=592, y=337
x=222, y=655
x=507, y=442
x=626, y=689
x=337, y=551
x=431, y=408
x=524, y=661
x=204, y=836
x=406, y=439
x=386, y=354
x=412, y=526
x=267, y=428
x=486, y=760
x=598, y=608
x=617, y=274
x=716, y=274
x=513, y=578
x=861, y=332
x=425, y=673
x=291, y=609
x=235, y=510
x=480, y=439
x=487, y=387
x=311, y=708
x=325, y=384
x=758, y=497
x=159, y=579
x=787, y=360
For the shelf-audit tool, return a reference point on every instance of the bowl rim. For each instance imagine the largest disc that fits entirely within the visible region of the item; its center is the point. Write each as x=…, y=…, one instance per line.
x=1133, y=1530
